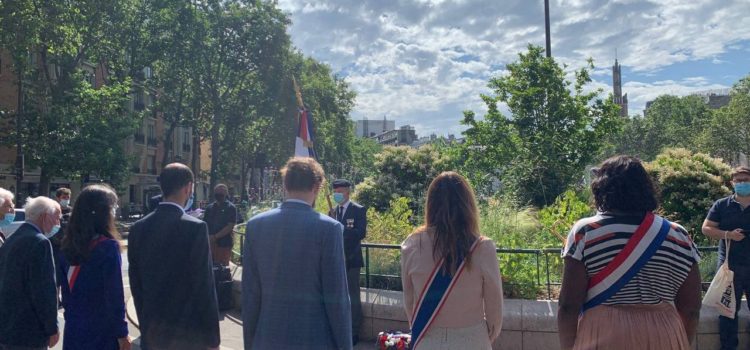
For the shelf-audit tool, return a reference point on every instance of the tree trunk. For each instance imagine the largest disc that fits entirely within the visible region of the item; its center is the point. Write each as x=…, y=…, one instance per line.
x=243, y=179
x=215, y=155
x=168, y=140
x=44, y=180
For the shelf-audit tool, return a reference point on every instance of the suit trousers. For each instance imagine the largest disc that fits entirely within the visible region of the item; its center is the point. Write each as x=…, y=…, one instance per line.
x=352, y=279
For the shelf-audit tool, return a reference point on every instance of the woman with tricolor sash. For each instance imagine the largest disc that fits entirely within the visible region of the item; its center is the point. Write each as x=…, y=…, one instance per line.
x=631, y=278
x=90, y=275
x=452, y=289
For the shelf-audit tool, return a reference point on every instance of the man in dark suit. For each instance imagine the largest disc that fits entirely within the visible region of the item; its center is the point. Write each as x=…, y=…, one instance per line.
x=294, y=293
x=28, y=295
x=354, y=218
x=171, y=275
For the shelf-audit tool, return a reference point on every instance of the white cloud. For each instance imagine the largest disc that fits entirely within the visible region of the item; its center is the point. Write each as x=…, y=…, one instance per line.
x=423, y=62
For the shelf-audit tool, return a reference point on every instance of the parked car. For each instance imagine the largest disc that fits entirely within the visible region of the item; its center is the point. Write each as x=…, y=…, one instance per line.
x=20, y=218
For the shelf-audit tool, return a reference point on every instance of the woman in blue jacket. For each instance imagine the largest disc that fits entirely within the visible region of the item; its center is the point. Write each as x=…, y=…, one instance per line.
x=90, y=275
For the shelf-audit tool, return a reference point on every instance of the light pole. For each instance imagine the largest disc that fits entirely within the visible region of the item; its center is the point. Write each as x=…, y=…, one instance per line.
x=546, y=28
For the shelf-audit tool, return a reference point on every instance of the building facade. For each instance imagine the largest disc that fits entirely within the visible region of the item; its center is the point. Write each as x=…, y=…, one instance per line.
x=404, y=136
x=372, y=128
x=620, y=99
x=145, y=147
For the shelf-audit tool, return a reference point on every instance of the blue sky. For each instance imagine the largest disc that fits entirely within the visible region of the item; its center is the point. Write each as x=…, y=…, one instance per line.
x=422, y=62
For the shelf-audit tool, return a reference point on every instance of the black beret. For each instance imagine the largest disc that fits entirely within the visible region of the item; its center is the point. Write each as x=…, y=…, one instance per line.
x=341, y=183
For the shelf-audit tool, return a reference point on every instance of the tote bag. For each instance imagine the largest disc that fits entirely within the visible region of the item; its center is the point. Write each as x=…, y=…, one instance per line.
x=720, y=293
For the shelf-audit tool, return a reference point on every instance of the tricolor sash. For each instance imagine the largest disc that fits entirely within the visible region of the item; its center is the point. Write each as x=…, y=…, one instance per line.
x=74, y=270
x=640, y=248
x=434, y=294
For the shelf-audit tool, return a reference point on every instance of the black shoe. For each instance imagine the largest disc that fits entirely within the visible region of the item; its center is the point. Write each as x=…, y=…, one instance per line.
x=355, y=340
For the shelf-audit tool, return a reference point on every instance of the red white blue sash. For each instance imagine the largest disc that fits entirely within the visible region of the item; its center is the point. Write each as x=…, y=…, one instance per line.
x=74, y=270
x=640, y=248
x=434, y=294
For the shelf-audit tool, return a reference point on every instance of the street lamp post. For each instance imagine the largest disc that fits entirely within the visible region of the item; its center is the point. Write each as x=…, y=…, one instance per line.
x=546, y=28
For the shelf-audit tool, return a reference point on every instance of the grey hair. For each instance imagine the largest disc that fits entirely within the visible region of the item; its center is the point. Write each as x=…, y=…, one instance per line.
x=35, y=207
x=5, y=195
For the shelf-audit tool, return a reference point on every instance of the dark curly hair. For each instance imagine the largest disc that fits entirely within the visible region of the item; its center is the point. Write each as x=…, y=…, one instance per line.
x=622, y=184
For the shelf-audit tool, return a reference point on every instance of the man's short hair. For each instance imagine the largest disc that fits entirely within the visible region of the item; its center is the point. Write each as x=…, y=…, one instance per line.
x=5, y=195
x=740, y=170
x=62, y=191
x=36, y=207
x=174, y=177
x=302, y=174
x=226, y=189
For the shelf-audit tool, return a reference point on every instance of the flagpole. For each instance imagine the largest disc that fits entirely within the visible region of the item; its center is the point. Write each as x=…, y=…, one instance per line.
x=301, y=106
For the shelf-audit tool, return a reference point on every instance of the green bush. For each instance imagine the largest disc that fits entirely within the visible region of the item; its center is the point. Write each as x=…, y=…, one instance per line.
x=689, y=184
x=558, y=218
x=389, y=227
x=402, y=172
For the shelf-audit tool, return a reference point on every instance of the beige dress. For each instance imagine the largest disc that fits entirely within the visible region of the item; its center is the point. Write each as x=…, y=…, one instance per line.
x=471, y=317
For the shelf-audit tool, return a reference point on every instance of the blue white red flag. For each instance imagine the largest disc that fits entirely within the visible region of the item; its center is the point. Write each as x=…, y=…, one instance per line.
x=303, y=144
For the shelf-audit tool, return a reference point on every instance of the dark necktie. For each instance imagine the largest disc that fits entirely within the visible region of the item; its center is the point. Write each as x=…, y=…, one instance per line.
x=340, y=213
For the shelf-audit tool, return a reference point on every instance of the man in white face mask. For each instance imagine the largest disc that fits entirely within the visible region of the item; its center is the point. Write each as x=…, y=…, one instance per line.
x=29, y=316
x=7, y=213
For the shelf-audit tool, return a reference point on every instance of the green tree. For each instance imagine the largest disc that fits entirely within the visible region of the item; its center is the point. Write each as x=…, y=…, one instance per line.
x=555, y=129
x=689, y=184
x=241, y=50
x=55, y=48
x=402, y=172
x=728, y=132
x=672, y=121
x=363, y=158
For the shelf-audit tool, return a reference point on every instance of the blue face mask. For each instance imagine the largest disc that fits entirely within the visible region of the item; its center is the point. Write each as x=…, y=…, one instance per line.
x=338, y=197
x=54, y=231
x=742, y=189
x=8, y=219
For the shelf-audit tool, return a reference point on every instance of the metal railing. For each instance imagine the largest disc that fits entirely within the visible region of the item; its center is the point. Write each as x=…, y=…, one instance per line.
x=382, y=268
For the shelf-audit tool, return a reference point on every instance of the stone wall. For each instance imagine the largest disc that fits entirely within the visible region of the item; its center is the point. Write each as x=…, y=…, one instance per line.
x=527, y=324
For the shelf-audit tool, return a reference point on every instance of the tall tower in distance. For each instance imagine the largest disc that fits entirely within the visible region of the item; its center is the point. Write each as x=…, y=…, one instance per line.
x=619, y=98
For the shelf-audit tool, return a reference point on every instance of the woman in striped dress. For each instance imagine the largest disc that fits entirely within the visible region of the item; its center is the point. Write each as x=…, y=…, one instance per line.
x=631, y=278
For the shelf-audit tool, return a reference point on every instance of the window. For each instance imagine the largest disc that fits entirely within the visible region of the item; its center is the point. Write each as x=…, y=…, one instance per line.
x=151, y=131
x=152, y=165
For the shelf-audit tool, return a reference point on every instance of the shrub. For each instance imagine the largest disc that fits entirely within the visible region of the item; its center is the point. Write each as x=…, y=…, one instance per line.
x=402, y=172
x=558, y=218
x=689, y=184
x=389, y=227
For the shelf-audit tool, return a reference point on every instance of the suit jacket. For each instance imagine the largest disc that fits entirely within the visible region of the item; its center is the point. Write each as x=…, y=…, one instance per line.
x=294, y=291
x=171, y=279
x=28, y=296
x=354, y=234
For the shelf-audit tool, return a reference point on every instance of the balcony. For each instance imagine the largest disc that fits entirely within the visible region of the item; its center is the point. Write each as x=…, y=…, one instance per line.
x=152, y=141
x=139, y=138
x=186, y=148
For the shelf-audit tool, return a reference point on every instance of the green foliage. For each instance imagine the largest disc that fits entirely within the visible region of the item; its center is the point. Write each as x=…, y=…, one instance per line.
x=363, y=159
x=689, y=184
x=558, y=218
x=55, y=46
x=392, y=225
x=555, y=130
x=670, y=121
x=728, y=132
x=402, y=172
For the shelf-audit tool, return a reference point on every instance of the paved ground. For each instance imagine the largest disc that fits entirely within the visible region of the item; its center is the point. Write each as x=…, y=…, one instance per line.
x=230, y=323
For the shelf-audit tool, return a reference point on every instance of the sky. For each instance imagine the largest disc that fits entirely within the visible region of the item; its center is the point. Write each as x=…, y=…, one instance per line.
x=423, y=62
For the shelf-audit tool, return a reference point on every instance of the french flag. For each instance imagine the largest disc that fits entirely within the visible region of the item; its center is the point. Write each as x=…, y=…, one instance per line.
x=303, y=144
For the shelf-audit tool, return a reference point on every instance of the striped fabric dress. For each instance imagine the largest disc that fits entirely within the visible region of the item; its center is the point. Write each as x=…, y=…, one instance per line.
x=644, y=306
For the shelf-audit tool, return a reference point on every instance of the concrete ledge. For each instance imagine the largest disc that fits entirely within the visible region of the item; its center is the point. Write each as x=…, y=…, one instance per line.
x=527, y=324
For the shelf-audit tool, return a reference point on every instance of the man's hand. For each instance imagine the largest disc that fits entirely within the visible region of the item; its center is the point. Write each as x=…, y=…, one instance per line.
x=735, y=235
x=124, y=343
x=54, y=339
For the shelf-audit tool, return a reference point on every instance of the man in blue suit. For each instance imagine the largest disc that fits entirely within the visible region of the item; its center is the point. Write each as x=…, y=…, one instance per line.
x=294, y=288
